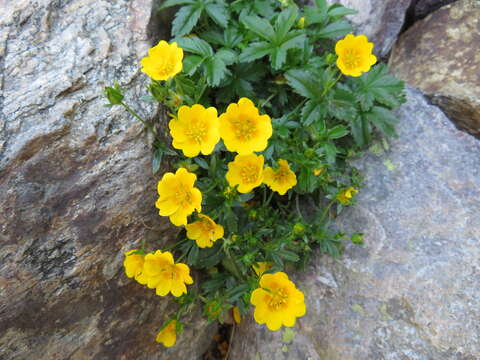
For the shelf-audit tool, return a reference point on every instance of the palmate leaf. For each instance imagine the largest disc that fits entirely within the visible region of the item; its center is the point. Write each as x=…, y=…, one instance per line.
x=378, y=85
x=261, y=27
x=284, y=23
x=215, y=70
x=303, y=84
x=218, y=12
x=195, y=45
x=185, y=19
x=335, y=29
x=256, y=51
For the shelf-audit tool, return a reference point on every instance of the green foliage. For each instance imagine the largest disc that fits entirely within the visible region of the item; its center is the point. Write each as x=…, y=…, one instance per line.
x=321, y=119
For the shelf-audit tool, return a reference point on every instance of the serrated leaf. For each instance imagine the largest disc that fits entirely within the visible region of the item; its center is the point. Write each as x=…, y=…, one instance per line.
x=218, y=11
x=302, y=83
x=169, y=3
x=340, y=11
x=378, y=85
x=215, y=71
x=337, y=132
x=191, y=64
x=335, y=29
x=232, y=37
x=195, y=45
x=382, y=119
x=284, y=23
x=227, y=56
x=261, y=27
x=214, y=37
x=360, y=130
x=185, y=19
x=256, y=51
x=315, y=16
x=310, y=113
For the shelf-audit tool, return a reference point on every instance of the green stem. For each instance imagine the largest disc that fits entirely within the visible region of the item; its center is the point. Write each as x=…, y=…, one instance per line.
x=331, y=85
x=266, y=101
x=175, y=245
x=297, y=206
x=144, y=122
x=325, y=212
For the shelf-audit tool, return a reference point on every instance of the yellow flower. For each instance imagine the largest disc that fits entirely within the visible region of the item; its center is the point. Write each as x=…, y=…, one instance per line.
x=168, y=335
x=243, y=129
x=204, y=231
x=195, y=130
x=163, y=61
x=345, y=196
x=317, y=172
x=354, y=55
x=236, y=315
x=178, y=198
x=277, y=301
x=281, y=179
x=164, y=275
x=246, y=171
x=133, y=264
x=261, y=267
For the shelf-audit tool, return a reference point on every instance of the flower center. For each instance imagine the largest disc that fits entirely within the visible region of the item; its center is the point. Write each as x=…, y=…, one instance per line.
x=278, y=298
x=165, y=67
x=244, y=128
x=208, y=227
x=352, y=58
x=170, y=272
x=182, y=195
x=196, y=131
x=249, y=173
x=281, y=175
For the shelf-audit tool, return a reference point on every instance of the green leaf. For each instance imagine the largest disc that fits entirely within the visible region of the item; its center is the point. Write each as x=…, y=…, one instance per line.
x=185, y=19
x=157, y=160
x=382, y=119
x=228, y=56
x=256, y=51
x=191, y=64
x=169, y=3
x=232, y=37
x=360, y=130
x=335, y=29
x=201, y=162
x=261, y=27
x=302, y=83
x=214, y=37
x=338, y=132
x=219, y=13
x=287, y=255
x=310, y=112
x=193, y=255
x=195, y=45
x=378, y=85
x=306, y=181
x=215, y=70
x=330, y=152
x=284, y=23
x=339, y=11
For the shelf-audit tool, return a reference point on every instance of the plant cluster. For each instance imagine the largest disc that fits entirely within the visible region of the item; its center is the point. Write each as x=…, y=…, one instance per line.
x=267, y=109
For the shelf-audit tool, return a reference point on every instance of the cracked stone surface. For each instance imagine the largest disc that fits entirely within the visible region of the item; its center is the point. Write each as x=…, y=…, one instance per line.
x=76, y=186
x=413, y=290
x=440, y=55
x=380, y=20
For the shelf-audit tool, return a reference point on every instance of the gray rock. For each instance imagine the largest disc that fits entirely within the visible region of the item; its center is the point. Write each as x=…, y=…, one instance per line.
x=413, y=290
x=424, y=7
x=440, y=56
x=76, y=188
x=380, y=20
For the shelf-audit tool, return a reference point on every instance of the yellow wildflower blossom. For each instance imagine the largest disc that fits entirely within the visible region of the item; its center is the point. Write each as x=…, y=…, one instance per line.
x=133, y=265
x=318, y=172
x=236, y=315
x=204, y=231
x=281, y=179
x=164, y=275
x=195, y=130
x=177, y=196
x=354, y=55
x=345, y=196
x=243, y=129
x=261, y=267
x=163, y=61
x=246, y=171
x=168, y=335
x=277, y=301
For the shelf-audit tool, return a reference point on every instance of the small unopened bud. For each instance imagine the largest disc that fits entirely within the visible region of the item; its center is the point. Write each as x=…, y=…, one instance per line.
x=114, y=95
x=301, y=22
x=298, y=229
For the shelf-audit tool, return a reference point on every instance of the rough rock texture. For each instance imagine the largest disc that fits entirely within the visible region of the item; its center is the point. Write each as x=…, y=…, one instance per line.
x=76, y=186
x=440, y=55
x=424, y=7
x=413, y=290
x=380, y=20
